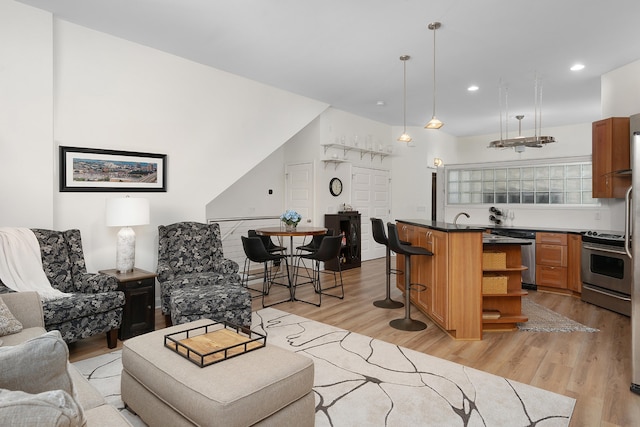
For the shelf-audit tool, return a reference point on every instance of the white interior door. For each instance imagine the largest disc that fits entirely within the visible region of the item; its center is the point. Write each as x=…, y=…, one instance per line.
x=299, y=190
x=370, y=195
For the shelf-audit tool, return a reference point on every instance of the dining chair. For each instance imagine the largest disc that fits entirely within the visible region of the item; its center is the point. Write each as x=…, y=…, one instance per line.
x=256, y=252
x=329, y=249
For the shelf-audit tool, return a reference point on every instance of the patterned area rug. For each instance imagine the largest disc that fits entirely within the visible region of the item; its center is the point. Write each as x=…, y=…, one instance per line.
x=363, y=381
x=542, y=319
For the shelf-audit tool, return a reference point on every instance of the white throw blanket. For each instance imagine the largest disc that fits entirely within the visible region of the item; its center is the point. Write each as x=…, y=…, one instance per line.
x=21, y=263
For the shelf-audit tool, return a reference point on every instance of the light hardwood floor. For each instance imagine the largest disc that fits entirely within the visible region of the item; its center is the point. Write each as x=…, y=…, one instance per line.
x=593, y=368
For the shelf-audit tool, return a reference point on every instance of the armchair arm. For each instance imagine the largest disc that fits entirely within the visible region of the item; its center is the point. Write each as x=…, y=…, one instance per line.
x=225, y=266
x=26, y=307
x=92, y=283
x=164, y=272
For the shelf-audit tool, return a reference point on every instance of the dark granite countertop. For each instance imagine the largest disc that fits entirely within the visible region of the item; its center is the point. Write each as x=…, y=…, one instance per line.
x=443, y=226
x=449, y=227
x=538, y=229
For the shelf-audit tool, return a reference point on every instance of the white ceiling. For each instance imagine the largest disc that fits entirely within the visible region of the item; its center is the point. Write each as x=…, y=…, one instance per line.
x=346, y=52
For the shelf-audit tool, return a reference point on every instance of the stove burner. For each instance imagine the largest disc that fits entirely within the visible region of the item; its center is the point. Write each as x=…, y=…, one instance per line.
x=601, y=235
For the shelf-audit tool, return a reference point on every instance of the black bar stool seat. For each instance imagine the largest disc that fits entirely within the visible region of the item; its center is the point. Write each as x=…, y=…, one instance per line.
x=407, y=323
x=380, y=236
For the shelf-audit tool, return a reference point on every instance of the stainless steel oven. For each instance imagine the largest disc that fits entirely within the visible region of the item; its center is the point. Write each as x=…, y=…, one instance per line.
x=607, y=273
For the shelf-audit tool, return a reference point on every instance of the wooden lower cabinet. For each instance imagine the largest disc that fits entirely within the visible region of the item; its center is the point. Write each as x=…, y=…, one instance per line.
x=558, y=258
x=452, y=278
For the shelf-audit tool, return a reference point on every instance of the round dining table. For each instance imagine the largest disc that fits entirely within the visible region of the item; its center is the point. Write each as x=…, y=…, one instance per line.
x=296, y=232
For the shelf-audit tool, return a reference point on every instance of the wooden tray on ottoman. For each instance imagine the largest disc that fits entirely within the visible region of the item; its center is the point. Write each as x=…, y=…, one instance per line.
x=213, y=343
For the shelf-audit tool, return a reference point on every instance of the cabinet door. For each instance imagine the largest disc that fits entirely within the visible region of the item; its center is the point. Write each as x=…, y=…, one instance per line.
x=574, y=259
x=610, y=153
x=424, y=264
x=406, y=233
x=601, y=155
x=440, y=293
x=139, y=315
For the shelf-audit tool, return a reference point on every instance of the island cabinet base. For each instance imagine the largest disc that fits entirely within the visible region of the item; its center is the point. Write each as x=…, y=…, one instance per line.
x=452, y=278
x=502, y=310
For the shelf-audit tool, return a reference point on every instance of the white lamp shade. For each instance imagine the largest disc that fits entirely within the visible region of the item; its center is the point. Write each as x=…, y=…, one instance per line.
x=127, y=211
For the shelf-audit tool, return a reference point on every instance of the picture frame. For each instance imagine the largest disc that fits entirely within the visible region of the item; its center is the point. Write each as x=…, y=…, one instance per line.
x=93, y=170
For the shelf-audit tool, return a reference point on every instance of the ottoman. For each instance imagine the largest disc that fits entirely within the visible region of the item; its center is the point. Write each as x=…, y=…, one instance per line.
x=269, y=386
x=220, y=301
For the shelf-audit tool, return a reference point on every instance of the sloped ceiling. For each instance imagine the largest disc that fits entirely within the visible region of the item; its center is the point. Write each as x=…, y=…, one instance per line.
x=346, y=53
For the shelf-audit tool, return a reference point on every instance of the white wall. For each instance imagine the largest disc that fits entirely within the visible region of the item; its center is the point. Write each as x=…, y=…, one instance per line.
x=249, y=196
x=412, y=169
x=621, y=91
x=85, y=88
x=26, y=96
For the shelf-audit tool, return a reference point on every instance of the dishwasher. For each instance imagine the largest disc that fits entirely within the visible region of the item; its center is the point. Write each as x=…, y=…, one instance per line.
x=528, y=254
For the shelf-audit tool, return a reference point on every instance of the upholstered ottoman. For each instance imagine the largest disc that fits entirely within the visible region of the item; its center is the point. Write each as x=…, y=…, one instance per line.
x=269, y=386
x=229, y=302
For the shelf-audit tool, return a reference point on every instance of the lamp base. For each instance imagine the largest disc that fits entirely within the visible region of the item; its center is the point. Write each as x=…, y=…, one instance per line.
x=126, y=250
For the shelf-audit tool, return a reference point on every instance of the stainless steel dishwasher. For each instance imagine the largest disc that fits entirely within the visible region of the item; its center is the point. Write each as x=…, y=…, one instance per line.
x=528, y=254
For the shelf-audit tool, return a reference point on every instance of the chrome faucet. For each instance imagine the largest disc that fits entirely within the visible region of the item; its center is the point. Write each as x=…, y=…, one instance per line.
x=455, y=219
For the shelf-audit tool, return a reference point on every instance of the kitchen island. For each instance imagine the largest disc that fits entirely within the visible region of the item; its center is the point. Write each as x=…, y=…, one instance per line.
x=453, y=276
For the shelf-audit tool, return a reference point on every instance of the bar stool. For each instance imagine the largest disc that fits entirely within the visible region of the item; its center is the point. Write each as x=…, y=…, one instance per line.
x=379, y=235
x=407, y=323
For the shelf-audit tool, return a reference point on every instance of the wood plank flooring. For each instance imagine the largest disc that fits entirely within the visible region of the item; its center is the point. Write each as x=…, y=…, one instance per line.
x=593, y=368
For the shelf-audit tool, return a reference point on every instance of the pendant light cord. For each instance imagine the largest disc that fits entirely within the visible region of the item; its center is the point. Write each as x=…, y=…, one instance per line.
x=435, y=27
x=404, y=94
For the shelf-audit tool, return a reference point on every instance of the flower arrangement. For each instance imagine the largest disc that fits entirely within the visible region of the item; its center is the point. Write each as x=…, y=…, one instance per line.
x=291, y=218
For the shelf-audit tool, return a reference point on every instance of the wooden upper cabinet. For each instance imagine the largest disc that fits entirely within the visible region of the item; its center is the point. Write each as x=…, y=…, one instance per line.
x=610, y=153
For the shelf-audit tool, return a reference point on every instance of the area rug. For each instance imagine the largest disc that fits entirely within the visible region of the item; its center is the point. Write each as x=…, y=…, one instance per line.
x=542, y=319
x=361, y=381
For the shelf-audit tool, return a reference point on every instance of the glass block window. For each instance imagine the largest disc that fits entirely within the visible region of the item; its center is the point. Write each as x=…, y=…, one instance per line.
x=540, y=184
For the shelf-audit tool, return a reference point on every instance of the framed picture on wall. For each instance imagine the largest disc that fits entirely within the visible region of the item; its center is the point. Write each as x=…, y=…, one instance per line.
x=92, y=169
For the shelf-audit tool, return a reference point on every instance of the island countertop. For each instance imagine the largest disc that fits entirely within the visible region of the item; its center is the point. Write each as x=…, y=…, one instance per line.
x=447, y=227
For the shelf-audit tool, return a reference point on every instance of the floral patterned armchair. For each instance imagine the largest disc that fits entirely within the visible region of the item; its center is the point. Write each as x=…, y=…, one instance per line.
x=190, y=254
x=95, y=305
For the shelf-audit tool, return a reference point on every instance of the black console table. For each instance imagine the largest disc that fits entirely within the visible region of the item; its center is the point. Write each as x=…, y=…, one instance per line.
x=346, y=224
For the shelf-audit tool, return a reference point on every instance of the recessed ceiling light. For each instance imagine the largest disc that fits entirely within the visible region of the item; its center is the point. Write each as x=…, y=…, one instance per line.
x=380, y=103
x=577, y=67
x=473, y=88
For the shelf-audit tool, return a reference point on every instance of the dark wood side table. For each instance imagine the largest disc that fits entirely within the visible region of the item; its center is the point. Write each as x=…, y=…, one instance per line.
x=139, y=287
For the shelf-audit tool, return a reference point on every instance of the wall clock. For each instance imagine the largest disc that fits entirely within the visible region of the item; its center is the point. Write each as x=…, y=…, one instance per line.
x=335, y=186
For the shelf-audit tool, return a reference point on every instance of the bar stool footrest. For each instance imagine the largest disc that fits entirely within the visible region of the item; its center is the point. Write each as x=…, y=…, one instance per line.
x=418, y=287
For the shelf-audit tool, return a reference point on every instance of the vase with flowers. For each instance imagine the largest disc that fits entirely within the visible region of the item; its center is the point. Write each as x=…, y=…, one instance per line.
x=291, y=219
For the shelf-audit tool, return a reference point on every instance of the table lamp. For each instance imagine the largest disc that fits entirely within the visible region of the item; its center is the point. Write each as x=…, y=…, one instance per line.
x=126, y=212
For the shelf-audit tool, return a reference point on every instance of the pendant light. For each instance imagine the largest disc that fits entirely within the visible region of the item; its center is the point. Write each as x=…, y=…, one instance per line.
x=434, y=123
x=405, y=136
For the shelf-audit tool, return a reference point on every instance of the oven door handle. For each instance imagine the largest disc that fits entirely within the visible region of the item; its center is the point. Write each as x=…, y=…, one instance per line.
x=628, y=214
x=601, y=249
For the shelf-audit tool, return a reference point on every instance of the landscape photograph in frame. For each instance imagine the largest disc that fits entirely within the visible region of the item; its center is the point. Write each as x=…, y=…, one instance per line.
x=92, y=169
